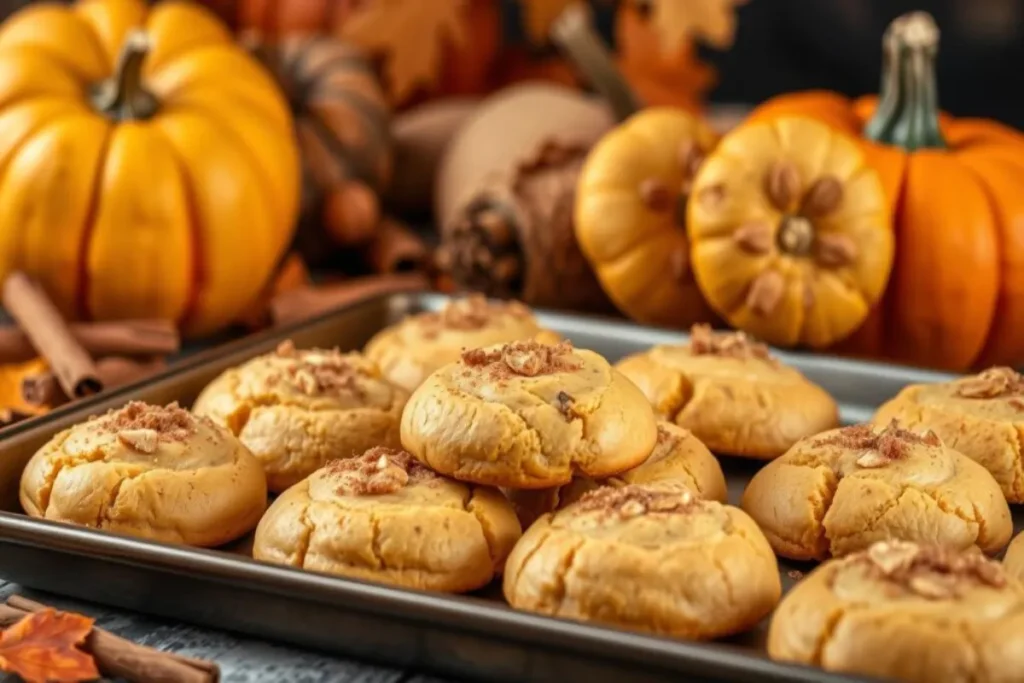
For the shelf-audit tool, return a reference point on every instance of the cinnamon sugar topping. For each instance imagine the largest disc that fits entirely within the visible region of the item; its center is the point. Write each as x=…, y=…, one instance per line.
x=932, y=572
x=471, y=313
x=523, y=358
x=378, y=471
x=879, y=447
x=998, y=382
x=706, y=342
x=141, y=425
x=636, y=500
x=318, y=371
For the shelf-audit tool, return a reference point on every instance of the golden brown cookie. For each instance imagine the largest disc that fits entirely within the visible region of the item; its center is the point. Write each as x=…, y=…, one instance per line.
x=650, y=557
x=154, y=472
x=411, y=350
x=528, y=415
x=841, y=491
x=907, y=612
x=982, y=416
x=295, y=410
x=384, y=517
x=678, y=457
x=1014, y=558
x=731, y=393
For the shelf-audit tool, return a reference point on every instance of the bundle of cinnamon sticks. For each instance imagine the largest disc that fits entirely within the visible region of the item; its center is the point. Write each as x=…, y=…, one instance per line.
x=81, y=359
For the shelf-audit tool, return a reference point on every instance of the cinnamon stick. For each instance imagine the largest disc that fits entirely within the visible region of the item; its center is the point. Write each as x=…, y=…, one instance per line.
x=308, y=302
x=42, y=323
x=44, y=389
x=121, y=658
x=122, y=338
x=397, y=249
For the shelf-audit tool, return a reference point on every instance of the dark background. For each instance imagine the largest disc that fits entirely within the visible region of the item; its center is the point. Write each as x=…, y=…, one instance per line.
x=784, y=45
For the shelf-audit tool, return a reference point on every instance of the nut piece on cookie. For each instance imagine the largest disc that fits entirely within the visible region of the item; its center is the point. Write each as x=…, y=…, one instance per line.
x=297, y=409
x=409, y=351
x=907, y=612
x=650, y=557
x=382, y=516
x=155, y=472
x=982, y=416
x=677, y=457
x=731, y=393
x=528, y=415
x=842, y=490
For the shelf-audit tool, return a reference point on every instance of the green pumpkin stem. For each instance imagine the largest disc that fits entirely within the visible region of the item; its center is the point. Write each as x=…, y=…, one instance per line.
x=123, y=97
x=908, y=110
x=574, y=33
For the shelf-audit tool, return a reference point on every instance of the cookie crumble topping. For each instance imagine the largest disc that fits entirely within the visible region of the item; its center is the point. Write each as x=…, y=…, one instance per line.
x=636, y=500
x=706, y=342
x=319, y=371
x=378, y=471
x=144, y=423
x=523, y=358
x=879, y=447
x=997, y=382
x=471, y=313
x=932, y=572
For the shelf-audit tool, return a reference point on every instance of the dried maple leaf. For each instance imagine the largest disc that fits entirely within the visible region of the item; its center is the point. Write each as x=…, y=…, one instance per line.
x=410, y=35
x=711, y=21
x=538, y=15
x=42, y=647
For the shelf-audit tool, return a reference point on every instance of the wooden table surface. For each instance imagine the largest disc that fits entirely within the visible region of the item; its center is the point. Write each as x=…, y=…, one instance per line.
x=241, y=659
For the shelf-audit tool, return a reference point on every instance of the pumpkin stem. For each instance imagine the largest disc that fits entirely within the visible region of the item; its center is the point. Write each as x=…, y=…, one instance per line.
x=123, y=96
x=908, y=110
x=574, y=33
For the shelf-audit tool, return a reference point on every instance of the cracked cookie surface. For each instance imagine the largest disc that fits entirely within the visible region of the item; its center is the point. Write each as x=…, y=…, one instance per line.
x=982, y=416
x=528, y=415
x=385, y=517
x=650, y=557
x=155, y=472
x=409, y=351
x=731, y=393
x=908, y=612
x=840, y=491
x=297, y=409
x=678, y=456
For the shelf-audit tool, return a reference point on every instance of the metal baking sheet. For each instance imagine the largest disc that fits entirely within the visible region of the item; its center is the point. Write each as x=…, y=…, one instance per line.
x=473, y=636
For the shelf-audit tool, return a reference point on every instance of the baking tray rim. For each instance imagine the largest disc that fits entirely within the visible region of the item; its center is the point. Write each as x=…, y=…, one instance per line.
x=465, y=614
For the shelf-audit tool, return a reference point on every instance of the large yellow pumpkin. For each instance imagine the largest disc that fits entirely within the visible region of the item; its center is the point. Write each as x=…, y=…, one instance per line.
x=147, y=164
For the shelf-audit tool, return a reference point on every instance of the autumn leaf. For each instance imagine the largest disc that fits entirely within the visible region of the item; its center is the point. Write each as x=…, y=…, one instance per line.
x=538, y=15
x=42, y=647
x=710, y=21
x=410, y=35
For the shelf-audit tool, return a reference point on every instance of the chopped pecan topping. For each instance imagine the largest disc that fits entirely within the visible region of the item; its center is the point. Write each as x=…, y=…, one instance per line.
x=782, y=185
x=755, y=237
x=636, y=500
x=378, y=471
x=471, y=313
x=766, y=292
x=824, y=197
x=317, y=372
x=998, y=382
x=879, y=447
x=141, y=440
x=932, y=572
x=170, y=422
x=523, y=358
x=706, y=342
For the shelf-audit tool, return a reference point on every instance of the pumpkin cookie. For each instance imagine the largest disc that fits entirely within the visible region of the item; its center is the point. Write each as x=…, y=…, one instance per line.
x=159, y=473
x=296, y=410
x=648, y=557
x=841, y=491
x=731, y=393
x=1014, y=558
x=383, y=516
x=411, y=350
x=528, y=415
x=907, y=612
x=981, y=416
x=677, y=457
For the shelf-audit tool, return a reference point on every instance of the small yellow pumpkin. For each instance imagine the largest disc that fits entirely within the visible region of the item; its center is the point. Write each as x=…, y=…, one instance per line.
x=149, y=167
x=630, y=210
x=791, y=234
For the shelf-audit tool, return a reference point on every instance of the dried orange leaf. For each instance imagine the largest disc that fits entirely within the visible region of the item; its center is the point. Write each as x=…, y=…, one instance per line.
x=710, y=21
x=42, y=647
x=538, y=15
x=410, y=35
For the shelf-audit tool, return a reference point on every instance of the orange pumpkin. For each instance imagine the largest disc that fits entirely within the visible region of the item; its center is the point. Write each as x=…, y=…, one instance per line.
x=149, y=164
x=956, y=190
x=630, y=215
